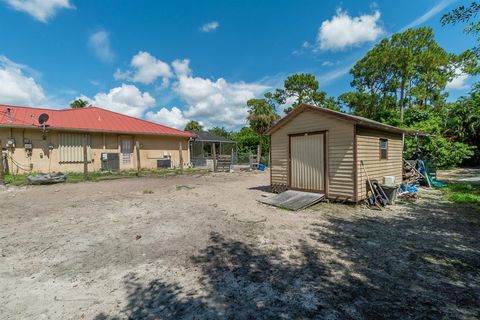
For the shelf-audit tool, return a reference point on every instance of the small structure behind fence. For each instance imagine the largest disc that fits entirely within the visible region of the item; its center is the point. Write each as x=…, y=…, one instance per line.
x=207, y=147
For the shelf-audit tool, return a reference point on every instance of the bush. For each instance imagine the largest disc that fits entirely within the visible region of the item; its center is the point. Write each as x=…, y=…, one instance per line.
x=444, y=153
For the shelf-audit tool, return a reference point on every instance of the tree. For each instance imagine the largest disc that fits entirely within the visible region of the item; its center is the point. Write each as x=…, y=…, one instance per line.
x=462, y=120
x=220, y=131
x=79, y=103
x=194, y=126
x=406, y=70
x=465, y=14
x=247, y=140
x=302, y=88
x=261, y=116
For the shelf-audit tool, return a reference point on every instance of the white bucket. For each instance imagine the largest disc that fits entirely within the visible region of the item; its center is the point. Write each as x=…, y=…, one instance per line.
x=389, y=181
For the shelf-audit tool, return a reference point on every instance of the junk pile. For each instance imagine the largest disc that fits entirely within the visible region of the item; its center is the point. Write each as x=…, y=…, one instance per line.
x=42, y=178
x=416, y=173
x=378, y=195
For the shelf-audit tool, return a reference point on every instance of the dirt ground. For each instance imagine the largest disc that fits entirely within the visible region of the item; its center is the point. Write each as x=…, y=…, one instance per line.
x=202, y=247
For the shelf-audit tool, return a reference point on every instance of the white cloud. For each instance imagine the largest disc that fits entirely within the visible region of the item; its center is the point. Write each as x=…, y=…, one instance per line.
x=172, y=118
x=100, y=43
x=210, y=26
x=459, y=82
x=430, y=13
x=181, y=67
x=41, y=10
x=212, y=102
x=306, y=45
x=344, y=31
x=216, y=102
x=127, y=99
x=16, y=86
x=146, y=69
x=333, y=75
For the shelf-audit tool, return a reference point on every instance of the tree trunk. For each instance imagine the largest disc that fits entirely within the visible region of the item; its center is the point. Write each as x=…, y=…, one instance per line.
x=402, y=100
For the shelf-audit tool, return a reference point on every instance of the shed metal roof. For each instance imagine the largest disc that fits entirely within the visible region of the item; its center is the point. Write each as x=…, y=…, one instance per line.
x=340, y=115
x=208, y=137
x=84, y=119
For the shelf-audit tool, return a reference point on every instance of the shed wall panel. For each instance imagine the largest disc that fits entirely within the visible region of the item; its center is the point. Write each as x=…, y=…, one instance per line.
x=368, y=150
x=339, y=145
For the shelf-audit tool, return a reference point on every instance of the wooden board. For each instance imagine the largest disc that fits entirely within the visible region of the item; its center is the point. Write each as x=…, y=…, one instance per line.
x=294, y=200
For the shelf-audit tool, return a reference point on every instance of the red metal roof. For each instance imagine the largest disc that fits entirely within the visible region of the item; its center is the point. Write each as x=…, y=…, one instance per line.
x=85, y=119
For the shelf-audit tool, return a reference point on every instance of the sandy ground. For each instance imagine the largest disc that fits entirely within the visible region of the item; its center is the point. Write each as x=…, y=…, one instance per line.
x=470, y=175
x=202, y=247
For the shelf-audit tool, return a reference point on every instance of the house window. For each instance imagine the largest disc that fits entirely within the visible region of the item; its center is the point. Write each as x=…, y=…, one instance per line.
x=383, y=143
x=126, y=149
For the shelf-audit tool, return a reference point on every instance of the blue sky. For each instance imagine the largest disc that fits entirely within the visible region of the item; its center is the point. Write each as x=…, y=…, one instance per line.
x=175, y=61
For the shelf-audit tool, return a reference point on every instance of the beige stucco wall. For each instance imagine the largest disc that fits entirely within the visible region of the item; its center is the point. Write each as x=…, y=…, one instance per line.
x=340, y=159
x=368, y=150
x=45, y=160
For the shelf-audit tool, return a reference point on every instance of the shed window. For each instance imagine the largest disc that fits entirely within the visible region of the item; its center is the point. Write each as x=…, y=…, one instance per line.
x=383, y=143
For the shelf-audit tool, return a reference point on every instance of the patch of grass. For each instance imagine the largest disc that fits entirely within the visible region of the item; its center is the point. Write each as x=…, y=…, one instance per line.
x=16, y=180
x=464, y=198
x=147, y=191
x=76, y=177
x=463, y=192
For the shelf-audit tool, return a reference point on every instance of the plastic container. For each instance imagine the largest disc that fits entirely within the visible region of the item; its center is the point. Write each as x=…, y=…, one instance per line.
x=261, y=167
x=390, y=192
x=389, y=181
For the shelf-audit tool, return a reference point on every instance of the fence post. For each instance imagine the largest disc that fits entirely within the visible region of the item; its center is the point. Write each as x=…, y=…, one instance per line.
x=214, y=156
x=2, y=181
x=85, y=158
x=137, y=146
x=259, y=153
x=180, y=157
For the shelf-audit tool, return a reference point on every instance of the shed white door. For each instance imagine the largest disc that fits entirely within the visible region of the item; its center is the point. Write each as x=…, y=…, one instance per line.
x=307, y=162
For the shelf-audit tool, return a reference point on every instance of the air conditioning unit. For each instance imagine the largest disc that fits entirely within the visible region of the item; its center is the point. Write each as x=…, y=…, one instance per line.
x=164, y=163
x=110, y=161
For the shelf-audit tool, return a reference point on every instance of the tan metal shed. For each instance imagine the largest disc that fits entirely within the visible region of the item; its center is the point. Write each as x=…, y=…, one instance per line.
x=319, y=150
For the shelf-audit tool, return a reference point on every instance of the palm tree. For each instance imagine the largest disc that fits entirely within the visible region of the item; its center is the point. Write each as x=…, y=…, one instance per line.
x=79, y=103
x=194, y=126
x=261, y=116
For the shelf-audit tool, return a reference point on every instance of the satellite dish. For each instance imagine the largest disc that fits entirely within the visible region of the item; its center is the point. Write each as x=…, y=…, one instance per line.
x=43, y=118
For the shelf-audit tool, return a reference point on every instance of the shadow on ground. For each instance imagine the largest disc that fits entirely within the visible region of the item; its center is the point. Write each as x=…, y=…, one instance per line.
x=266, y=188
x=424, y=263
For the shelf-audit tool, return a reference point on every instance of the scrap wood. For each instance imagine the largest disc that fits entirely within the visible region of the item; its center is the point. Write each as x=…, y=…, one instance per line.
x=414, y=169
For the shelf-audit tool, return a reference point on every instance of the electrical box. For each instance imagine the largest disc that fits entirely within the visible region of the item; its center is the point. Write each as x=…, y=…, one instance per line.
x=11, y=143
x=28, y=146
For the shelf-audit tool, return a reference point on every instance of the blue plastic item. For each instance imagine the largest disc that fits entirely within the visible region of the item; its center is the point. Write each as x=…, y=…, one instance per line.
x=412, y=189
x=261, y=167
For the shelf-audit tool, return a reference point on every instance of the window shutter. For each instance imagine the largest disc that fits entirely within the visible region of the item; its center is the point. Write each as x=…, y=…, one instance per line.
x=70, y=148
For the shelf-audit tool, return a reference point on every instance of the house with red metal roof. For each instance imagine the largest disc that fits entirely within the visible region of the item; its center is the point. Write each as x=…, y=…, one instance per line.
x=47, y=140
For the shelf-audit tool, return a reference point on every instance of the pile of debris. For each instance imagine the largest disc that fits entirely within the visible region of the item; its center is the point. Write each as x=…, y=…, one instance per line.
x=416, y=173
